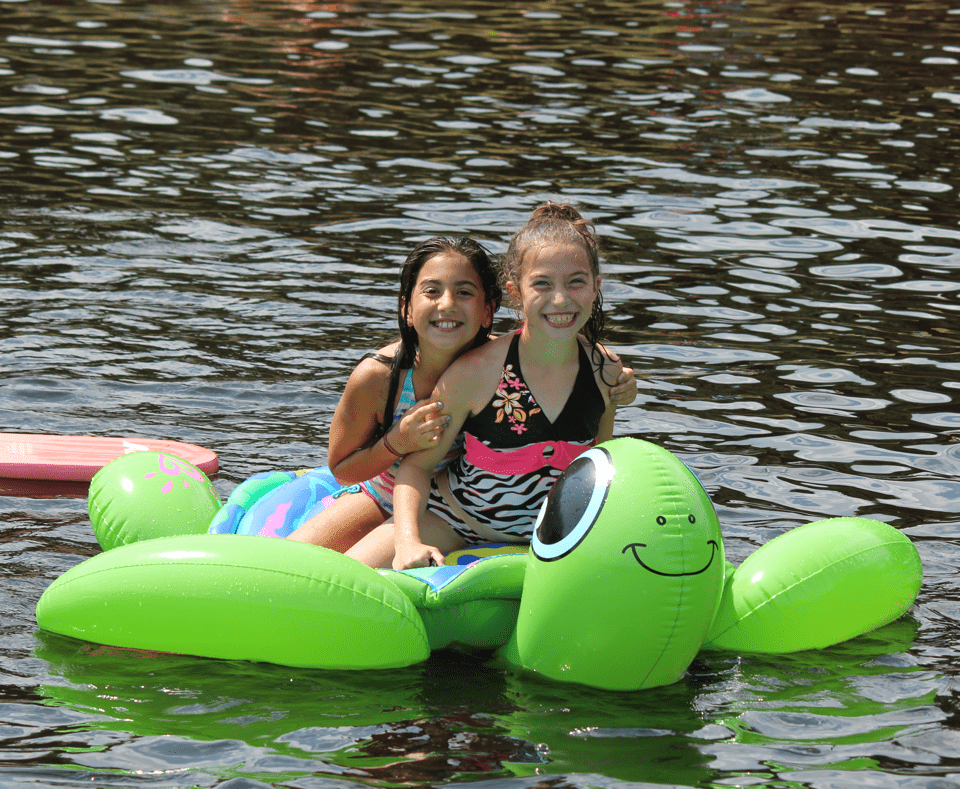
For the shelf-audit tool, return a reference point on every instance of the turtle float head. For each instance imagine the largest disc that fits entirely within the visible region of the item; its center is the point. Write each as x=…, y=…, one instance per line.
x=626, y=568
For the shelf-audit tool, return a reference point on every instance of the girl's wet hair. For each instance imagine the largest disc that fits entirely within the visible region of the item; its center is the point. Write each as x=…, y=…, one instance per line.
x=406, y=353
x=559, y=224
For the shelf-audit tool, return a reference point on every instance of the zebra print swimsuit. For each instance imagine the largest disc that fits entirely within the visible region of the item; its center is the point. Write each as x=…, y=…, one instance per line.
x=493, y=492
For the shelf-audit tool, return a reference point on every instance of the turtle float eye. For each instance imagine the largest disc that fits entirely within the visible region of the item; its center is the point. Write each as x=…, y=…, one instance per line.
x=573, y=505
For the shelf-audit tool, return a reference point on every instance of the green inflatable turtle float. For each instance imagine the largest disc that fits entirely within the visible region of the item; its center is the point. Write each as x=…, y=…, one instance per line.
x=625, y=581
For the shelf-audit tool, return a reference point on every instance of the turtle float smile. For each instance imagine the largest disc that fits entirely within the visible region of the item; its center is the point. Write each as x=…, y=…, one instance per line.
x=634, y=545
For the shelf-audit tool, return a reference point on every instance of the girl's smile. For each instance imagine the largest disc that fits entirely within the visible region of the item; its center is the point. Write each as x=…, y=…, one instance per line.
x=561, y=320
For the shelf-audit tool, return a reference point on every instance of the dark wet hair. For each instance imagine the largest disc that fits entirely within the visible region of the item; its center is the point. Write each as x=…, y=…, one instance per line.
x=554, y=224
x=406, y=352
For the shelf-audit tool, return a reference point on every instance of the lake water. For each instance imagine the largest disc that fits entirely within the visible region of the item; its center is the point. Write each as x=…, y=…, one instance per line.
x=204, y=206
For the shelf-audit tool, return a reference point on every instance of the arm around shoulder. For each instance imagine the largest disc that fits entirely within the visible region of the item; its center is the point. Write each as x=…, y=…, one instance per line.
x=455, y=391
x=609, y=371
x=608, y=367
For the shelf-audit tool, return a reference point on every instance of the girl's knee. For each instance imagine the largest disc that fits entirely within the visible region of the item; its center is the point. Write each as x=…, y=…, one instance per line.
x=376, y=549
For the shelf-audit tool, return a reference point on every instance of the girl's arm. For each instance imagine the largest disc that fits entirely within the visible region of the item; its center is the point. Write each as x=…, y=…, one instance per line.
x=624, y=391
x=410, y=497
x=605, y=433
x=465, y=384
x=357, y=417
x=612, y=369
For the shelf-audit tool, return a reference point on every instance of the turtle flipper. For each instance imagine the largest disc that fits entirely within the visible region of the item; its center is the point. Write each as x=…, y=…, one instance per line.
x=239, y=598
x=817, y=585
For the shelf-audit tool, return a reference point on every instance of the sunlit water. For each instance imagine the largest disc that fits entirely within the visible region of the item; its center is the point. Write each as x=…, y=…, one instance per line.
x=204, y=207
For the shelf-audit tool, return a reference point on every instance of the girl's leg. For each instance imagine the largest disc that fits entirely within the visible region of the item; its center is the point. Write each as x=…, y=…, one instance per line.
x=377, y=548
x=350, y=517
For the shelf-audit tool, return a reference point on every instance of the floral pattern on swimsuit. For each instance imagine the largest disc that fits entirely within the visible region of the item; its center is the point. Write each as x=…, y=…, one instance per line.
x=514, y=406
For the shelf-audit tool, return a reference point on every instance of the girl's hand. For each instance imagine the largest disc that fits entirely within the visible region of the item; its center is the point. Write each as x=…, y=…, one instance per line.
x=625, y=392
x=420, y=427
x=416, y=554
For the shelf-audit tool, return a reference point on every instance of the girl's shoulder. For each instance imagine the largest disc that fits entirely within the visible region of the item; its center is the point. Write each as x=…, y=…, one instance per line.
x=493, y=352
x=384, y=355
x=470, y=371
x=605, y=362
x=374, y=367
x=609, y=356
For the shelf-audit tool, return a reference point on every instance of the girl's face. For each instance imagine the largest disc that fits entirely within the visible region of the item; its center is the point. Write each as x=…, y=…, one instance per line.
x=447, y=307
x=556, y=291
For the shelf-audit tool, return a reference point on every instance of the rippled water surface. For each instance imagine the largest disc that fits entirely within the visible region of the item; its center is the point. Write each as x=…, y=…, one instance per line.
x=204, y=205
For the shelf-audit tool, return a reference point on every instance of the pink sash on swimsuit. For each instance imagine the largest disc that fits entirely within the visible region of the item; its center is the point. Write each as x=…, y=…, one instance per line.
x=558, y=454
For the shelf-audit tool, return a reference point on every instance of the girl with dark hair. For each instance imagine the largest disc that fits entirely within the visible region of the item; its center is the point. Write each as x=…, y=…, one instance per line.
x=448, y=295
x=528, y=403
